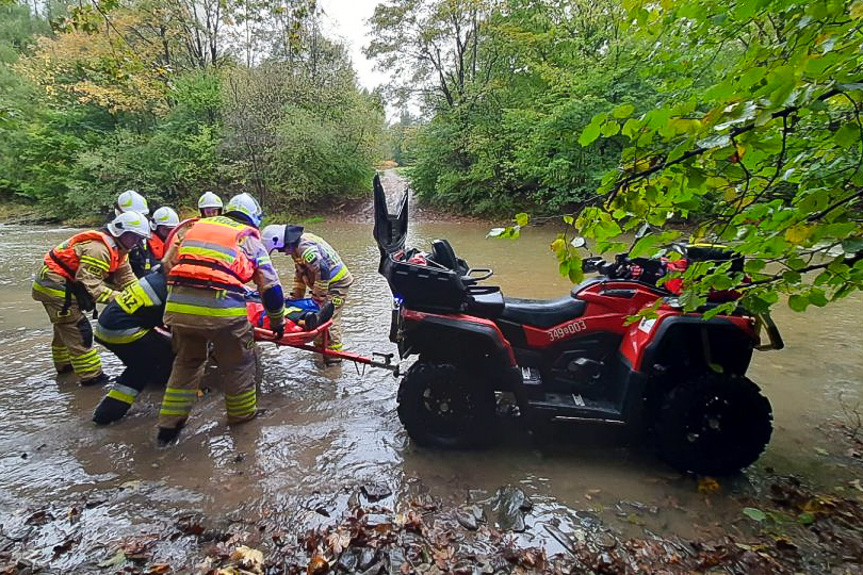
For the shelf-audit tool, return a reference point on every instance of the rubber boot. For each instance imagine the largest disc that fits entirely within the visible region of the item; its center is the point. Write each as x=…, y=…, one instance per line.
x=63, y=370
x=100, y=379
x=168, y=435
x=313, y=319
x=110, y=410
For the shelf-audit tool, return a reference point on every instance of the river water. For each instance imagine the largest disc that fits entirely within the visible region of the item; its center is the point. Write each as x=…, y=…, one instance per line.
x=329, y=430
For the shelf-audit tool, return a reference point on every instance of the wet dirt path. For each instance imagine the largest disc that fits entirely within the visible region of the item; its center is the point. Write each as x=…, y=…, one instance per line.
x=328, y=431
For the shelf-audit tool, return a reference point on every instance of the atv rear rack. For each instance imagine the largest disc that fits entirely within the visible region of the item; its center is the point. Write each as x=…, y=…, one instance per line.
x=304, y=340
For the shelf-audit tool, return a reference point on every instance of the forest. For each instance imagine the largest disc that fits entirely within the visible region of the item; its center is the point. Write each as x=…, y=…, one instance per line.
x=175, y=97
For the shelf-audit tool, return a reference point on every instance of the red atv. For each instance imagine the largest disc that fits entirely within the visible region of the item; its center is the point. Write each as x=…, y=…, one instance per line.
x=678, y=375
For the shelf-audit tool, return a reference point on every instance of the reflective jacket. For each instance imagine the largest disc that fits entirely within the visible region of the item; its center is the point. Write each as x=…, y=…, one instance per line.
x=317, y=266
x=215, y=259
x=65, y=261
x=134, y=312
x=90, y=260
x=210, y=256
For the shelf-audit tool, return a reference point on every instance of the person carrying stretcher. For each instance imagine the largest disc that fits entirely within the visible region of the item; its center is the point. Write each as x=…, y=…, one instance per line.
x=131, y=327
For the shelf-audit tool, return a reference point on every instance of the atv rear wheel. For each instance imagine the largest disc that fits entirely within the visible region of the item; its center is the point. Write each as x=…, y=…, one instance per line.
x=713, y=425
x=440, y=405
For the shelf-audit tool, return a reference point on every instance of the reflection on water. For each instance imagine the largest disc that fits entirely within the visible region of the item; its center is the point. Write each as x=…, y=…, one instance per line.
x=328, y=430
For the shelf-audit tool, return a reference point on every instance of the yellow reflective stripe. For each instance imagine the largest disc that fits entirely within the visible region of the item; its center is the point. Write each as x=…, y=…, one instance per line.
x=104, y=296
x=181, y=391
x=232, y=409
x=60, y=353
x=48, y=291
x=120, y=336
x=207, y=311
x=341, y=274
x=207, y=253
x=114, y=394
x=104, y=266
x=264, y=261
x=93, y=363
x=225, y=222
x=241, y=398
x=335, y=346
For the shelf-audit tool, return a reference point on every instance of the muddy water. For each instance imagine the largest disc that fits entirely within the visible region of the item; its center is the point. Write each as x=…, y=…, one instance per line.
x=329, y=430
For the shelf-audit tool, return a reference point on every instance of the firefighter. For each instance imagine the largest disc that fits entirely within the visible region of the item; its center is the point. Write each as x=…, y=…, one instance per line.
x=141, y=257
x=318, y=267
x=207, y=305
x=164, y=220
x=75, y=276
x=129, y=327
x=209, y=205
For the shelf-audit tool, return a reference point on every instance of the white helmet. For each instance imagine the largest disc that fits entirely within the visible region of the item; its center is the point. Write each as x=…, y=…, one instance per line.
x=131, y=201
x=278, y=237
x=210, y=200
x=164, y=216
x=247, y=206
x=129, y=222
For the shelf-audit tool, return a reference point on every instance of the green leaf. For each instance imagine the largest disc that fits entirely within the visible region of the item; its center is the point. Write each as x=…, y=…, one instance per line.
x=589, y=135
x=678, y=151
x=719, y=141
x=591, y=132
x=847, y=135
x=568, y=219
x=754, y=514
x=630, y=127
x=610, y=128
x=623, y=111
x=522, y=219
x=806, y=519
x=798, y=302
x=817, y=297
x=644, y=246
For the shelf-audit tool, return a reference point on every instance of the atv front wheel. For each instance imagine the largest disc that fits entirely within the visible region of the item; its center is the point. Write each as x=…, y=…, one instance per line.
x=440, y=405
x=713, y=425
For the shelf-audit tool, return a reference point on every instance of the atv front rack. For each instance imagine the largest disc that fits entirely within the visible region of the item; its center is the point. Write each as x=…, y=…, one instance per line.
x=301, y=339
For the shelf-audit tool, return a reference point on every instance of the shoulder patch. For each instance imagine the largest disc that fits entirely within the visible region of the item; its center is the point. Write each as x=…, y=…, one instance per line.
x=309, y=255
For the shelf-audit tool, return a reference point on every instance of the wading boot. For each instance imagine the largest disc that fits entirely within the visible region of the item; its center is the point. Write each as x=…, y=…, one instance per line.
x=168, y=435
x=110, y=410
x=100, y=379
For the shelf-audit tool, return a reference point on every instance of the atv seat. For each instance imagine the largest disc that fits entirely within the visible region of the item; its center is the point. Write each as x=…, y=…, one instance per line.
x=543, y=314
x=443, y=255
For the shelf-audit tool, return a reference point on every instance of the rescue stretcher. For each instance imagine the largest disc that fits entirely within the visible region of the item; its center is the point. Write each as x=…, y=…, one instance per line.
x=297, y=337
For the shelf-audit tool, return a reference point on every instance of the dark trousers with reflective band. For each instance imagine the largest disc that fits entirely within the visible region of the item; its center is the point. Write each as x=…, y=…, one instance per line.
x=73, y=340
x=233, y=349
x=336, y=294
x=147, y=360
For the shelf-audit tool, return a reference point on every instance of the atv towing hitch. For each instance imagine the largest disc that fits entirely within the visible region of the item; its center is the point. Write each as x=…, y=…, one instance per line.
x=301, y=340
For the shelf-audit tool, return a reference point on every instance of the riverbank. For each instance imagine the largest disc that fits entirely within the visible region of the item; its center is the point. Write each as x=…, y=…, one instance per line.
x=788, y=529
x=359, y=210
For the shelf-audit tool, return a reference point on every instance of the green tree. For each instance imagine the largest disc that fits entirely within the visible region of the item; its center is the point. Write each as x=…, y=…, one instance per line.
x=769, y=154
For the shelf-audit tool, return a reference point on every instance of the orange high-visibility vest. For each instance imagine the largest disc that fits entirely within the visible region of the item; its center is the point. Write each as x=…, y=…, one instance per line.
x=64, y=261
x=210, y=255
x=157, y=246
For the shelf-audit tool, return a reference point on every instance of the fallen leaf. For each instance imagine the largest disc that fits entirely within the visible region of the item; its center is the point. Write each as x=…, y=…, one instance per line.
x=318, y=565
x=118, y=558
x=708, y=486
x=158, y=569
x=248, y=558
x=754, y=514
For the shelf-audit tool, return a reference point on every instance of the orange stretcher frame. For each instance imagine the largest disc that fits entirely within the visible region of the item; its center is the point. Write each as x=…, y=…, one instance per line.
x=303, y=340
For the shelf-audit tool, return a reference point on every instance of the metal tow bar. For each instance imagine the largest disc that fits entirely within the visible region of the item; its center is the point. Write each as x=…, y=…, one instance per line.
x=300, y=340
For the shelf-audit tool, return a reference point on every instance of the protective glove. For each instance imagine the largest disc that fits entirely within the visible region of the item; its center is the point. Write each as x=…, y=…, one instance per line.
x=278, y=328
